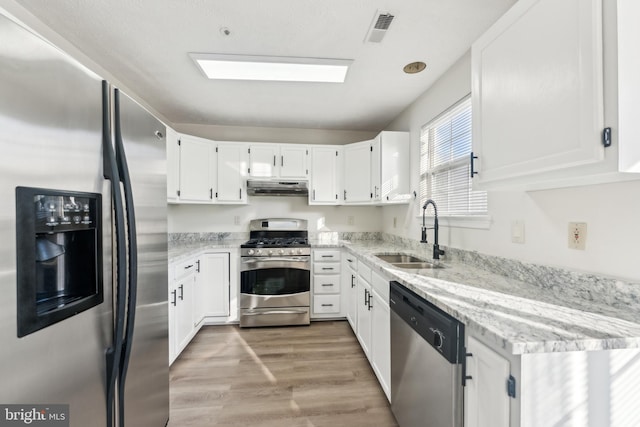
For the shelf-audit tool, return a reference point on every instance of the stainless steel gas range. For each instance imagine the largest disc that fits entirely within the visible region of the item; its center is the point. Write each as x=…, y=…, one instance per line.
x=275, y=273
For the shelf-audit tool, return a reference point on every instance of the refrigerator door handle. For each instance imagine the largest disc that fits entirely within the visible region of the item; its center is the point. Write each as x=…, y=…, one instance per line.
x=110, y=172
x=132, y=247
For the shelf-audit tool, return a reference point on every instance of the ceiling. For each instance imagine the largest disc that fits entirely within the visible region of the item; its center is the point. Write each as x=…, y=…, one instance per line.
x=145, y=45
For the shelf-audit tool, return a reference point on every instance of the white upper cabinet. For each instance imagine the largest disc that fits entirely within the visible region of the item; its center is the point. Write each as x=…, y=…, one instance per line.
x=263, y=160
x=197, y=169
x=357, y=172
x=543, y=94
x=628, y=84
x=231, y=172
x=294, y=161
x=173, y=165
x=326, y=168
x=390, y=167
x=278, y=161
x=377, y=171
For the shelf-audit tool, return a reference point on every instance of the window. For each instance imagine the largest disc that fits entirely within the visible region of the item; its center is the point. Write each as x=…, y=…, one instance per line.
x=445, y=146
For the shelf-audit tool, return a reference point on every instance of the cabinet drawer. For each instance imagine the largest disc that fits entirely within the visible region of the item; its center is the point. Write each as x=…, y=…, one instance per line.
x=351, y=261
x=381, y=286
x=326, y=284
x=365, y=272
x=326, y=255
x=326, y=268
x=184, y=268
x=326, y=304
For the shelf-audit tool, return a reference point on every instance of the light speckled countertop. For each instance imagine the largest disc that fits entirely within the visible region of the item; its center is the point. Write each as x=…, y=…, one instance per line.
x=513, y=315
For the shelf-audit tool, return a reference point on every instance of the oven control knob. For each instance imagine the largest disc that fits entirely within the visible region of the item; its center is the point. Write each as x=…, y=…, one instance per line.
x=258, y=251
x=299, y=251
x=281, y=252
x=438, y=339
x=251, y=251
x=270, y=252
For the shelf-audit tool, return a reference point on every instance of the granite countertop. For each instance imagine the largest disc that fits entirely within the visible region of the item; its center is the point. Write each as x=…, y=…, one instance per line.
x=517, y=316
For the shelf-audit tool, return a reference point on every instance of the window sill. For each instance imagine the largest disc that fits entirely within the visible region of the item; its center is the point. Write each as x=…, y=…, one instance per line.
x=482, y=222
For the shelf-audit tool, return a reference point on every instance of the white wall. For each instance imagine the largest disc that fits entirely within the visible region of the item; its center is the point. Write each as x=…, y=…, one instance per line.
x=221, y=218
x=611, y=211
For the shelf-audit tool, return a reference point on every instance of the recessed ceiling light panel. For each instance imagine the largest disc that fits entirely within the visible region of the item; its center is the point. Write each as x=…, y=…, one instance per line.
x=272, y=68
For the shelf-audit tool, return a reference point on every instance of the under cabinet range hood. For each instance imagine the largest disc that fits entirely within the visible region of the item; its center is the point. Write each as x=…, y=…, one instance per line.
x=277, y=188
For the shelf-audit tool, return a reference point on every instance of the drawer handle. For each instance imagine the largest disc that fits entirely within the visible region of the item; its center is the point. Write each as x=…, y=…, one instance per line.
x=327, y=256
x=328, y=284
x=327, y=268
x=188, y=267
x=327, y=305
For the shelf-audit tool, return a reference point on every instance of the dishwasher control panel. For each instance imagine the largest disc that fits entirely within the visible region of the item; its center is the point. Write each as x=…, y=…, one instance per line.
x=442, y=331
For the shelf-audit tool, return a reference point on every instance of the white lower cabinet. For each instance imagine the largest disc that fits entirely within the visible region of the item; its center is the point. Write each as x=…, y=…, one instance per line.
x=181, y=287
x=213, y=285
x=326, y=294
x=198, y=290
x=363, y=303
x=381, y=332
x=486, y=402
x=349, y=297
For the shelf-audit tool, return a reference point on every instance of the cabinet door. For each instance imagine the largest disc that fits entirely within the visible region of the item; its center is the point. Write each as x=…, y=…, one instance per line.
x=232, y=164
x=486, y=402
x=538, y=101
x=173, y=301
x=376, y=166
x=215, y=290
x=381, y=342
x=357, y=172
x=173, y=165
x=263, y=160
x=199, y=285
x=196, y=160
x=324, y=176
x=393, y=181
x=184, y=312
x=294, y=161
x=364, y=315
x=349, y=277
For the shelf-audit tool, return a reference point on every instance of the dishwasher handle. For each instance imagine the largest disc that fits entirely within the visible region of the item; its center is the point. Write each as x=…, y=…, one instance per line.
x=412, y=305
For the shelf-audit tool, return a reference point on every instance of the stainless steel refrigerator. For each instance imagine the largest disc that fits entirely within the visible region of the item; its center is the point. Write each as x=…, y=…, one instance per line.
x=83, y=241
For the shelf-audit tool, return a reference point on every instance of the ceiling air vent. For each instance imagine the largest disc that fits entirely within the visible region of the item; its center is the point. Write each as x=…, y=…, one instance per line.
x=381, y=23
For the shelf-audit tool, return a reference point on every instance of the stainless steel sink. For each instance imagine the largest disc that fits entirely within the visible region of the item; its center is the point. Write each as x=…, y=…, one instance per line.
x=408, y=262
x=399, y=258
x=416, y=265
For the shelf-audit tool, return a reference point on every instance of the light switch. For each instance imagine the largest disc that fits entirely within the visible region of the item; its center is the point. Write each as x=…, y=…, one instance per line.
x=517, y=232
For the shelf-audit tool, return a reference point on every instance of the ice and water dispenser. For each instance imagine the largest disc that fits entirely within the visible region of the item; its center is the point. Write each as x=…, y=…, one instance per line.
x=59, y=255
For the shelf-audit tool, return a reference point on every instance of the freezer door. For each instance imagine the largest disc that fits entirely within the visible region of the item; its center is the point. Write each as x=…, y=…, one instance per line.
x=50, y=137
x=147, y=382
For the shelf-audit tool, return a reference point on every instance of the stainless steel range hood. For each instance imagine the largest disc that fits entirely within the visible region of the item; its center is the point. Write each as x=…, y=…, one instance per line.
x=277, y=188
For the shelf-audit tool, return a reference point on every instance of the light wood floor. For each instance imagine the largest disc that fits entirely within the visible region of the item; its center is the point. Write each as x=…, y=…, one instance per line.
x=313, y=376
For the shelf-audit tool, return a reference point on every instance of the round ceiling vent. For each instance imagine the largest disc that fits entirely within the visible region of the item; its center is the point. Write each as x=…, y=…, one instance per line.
x=414, y=67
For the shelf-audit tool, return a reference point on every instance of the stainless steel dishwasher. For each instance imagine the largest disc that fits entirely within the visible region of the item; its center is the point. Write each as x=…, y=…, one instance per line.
x=427, y=354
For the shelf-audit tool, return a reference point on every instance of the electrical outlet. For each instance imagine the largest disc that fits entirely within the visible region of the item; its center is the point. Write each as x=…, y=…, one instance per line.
x=395, y=222
x=577, y=235
x=236, y=220
x=350, y=220
x=517, y=232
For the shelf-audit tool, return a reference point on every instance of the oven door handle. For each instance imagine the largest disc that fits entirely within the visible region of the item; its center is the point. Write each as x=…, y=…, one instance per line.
x=274, y=259
x=258, y=313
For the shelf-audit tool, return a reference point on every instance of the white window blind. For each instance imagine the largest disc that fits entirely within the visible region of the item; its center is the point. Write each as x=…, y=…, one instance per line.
x=444, y=164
